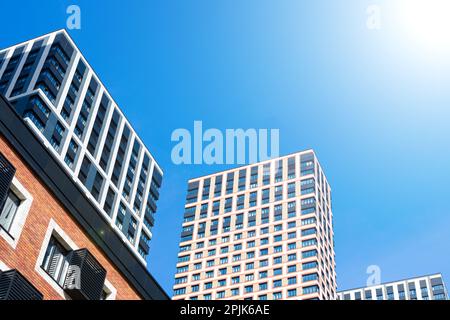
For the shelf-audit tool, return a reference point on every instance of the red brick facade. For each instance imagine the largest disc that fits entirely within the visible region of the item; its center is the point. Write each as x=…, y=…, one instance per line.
x=44, y=208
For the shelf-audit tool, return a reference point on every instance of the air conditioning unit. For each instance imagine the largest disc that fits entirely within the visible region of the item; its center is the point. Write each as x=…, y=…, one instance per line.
x=85, y=276
x=14, y=286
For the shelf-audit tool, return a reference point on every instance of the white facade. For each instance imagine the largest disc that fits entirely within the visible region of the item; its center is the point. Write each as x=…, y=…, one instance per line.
x=429, y=287
x=262, y=231
x=71, y=112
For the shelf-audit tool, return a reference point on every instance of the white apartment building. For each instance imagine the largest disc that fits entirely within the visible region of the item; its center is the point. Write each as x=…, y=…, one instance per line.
x=261, y=231
x=429, y=287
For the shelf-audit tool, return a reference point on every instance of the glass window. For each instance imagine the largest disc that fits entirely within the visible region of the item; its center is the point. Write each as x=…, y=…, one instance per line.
x=55, y=261
x=9, y=211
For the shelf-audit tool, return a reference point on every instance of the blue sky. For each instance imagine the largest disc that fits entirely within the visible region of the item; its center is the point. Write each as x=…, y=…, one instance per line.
x=374, y=104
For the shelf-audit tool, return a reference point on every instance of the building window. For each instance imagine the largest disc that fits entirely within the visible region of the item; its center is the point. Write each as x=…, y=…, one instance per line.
x=14, y=212
x=55, y=261
x=437, y=287
x=310, y=289
x=412, y=294
x=9, y=211
x=235, y=292
x=180, y=291
x=440, y=296
x=277, y=296
x=292, y=293
x=292, y=280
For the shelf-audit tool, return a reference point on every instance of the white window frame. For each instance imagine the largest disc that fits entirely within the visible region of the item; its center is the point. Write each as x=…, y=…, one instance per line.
x=56, y=231
x=12, y=238
x=3, y=266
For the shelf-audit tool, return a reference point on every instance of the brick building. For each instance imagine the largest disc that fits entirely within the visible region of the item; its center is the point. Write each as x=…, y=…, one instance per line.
x=54, y=244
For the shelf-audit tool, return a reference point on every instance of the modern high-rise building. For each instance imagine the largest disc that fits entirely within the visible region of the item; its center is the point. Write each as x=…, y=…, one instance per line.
x=54, y=89
x=261, y=231
x=77, y=186
x=429, y=287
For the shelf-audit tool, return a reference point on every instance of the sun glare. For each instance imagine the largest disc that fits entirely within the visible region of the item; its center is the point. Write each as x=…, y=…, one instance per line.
x=426, y=22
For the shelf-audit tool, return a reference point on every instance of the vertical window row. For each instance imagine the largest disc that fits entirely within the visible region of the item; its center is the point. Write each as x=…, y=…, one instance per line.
x=86, y=109
x=10, y=69
x=242, y=179
x=56, y=137
x=266, y=174
x=126, y=223
x=109, y=141
x=72, y=93
x=71, y=153
x=37, y=112
x=121, y=214
x=279, y=170
x=129, y=179
x=131, y=232
x=144, y=244
x=192, y=193
x=2, y=59
x=306, y=164
x=97, y=185
x=253, y=177
x=84, y=170
x=141, y=184
x=291, y=168
x=230, y=183
x=90, y=177
x=54, y=69
x=27, y=70
x=98, y=125
x=218, y=186
x=109, y=201
x=206, y=188
x=153, y=195
x=120, y=157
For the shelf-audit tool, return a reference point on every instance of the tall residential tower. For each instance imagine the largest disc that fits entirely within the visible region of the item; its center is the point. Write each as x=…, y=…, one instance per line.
x=54, y=89
x=262, y=231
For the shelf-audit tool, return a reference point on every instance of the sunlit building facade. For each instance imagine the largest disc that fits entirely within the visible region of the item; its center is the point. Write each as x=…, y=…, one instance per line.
x=262, y=231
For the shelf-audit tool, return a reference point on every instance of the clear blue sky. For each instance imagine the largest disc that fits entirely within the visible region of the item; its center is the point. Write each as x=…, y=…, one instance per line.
x=373, y=104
